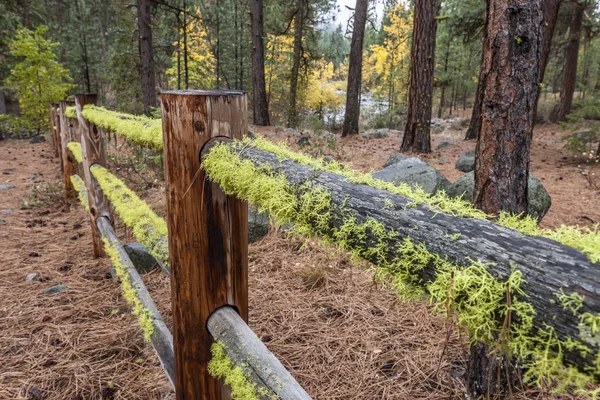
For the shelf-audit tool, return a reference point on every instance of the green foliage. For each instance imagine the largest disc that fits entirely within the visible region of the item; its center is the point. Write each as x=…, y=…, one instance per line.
x=38, y=77
x=148, y=228
x=221, y=367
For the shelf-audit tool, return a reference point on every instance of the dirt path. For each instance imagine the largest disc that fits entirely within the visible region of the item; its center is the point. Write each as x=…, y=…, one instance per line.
x=81, y=343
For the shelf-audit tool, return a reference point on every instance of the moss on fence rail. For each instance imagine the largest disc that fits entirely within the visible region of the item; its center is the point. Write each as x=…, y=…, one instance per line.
x=148, y=228
x=76, y=150
x=82, y=193
x=494, y=311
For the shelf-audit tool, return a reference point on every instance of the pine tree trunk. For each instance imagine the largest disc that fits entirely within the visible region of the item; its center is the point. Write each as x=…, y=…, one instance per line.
x=570, y=72
x=259, y=92
x=585, y=75
x=352, y=115
x=298, y=28
x=510, y=75
x=146, y=55
x=474, y=124
x=550, y=12
x=422, y=62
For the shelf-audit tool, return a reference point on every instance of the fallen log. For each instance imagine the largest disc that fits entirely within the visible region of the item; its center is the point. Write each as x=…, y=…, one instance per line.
x=559, y=283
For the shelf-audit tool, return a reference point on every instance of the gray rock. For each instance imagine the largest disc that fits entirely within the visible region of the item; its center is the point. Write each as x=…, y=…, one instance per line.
x=394, y=158
x=327, y=159
x=37, y=139
x=5, y=187
x=303, y=141
x=258, y=224
x=7, y=211
x=55, y=289
x=32, y=277
x=459, y=123
x=378, y=133
x=538, y=198
x=445, y=144
x=466, y=163
x=414, y=172
x=141, y=258
x=440, y=160
x=437, y=129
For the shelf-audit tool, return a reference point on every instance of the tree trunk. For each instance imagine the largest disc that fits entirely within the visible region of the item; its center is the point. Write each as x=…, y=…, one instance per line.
x=422, y=62
x=352, y=115
x=585, y=75
x=474, y=124
x=570, y=73
x=443, y=93
x=510, y=75
x=298, y=28
x=146, y=55
x=260, y=106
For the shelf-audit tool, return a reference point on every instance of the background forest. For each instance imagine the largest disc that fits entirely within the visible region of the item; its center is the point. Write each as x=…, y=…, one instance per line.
x=207, y=44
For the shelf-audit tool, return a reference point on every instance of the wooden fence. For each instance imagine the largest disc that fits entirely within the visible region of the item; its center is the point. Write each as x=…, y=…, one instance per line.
x=208, y=248
x=494, y=277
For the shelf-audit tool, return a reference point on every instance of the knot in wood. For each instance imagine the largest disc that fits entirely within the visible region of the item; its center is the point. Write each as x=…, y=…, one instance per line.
x=199, y=126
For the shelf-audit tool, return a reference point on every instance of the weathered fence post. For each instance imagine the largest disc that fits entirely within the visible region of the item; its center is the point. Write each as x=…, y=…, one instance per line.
x=68, y=162
x=92, y=152
x=55, y=125
x=208, y=243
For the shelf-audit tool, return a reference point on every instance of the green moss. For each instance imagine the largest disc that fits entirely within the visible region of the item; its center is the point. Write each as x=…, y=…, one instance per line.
x=139, y=129
x=76, y=150
x=148, y=228
x=82, y=193
x=221, y=367
x=144, y=316
x=71, y=112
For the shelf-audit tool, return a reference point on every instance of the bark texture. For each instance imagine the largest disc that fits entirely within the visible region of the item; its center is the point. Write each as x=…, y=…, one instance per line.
x=352, y=114
x=570, y=73
x=298, y=33
x=546, y=265
x=422, y=62
x=510, y=77
x=260, y=105
x=146, y=55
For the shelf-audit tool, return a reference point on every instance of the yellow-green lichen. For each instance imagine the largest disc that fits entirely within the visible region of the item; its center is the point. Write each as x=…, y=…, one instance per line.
x=76, y=150
x=136, y=128
x=144, y=316
x=71, y=112
x=481, y=302
x=221, y=367
x=82, y=193
x=148, y=228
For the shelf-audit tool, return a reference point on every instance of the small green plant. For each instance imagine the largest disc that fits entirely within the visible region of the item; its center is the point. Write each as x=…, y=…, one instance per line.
x=43, y=196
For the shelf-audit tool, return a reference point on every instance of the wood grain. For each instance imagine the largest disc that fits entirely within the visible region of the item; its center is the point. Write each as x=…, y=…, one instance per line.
x=208, y=250
x=68, y=161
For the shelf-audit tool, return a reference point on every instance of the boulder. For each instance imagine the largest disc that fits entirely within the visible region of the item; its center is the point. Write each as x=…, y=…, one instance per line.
x=414, y=172
x=537, y=196
x=37, y=139
x=394, y=158
x=141, y=258
x=466, y=163
x=377, y=133
x=258, y=224
x=444, y=145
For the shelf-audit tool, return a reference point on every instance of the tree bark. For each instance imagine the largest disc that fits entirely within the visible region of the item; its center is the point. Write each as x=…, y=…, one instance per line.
x=146, y=55
x=352, y=115
x=510, y=72
x=474, y=124
x=260, y=106
x=570, y=72
x=422, y=63
x=298, y=28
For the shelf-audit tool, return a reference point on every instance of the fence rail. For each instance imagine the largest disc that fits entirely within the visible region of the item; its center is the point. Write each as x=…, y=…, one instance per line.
x=515, y=287
x=103, y=194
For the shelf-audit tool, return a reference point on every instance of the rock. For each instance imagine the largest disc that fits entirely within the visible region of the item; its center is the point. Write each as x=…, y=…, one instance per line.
x=327, y=159
x=6, y=187
x=37, y=139
x=7, y=211
x=2, y=221
x=55, y=289
x=414, y=172
x=141, y=258
x=376, y=134
x=466, y=163
x=459, y=123
x=394, y=158
x=537, y=196
x=32, y=277
x=437, y=129
x=304, y=140
x=258, y=224
x=444, y=145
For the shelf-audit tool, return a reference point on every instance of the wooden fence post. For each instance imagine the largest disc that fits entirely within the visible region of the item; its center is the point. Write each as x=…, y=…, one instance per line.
x=68, y=161
x=55, y=125
x=208, y=242
x=92, y=152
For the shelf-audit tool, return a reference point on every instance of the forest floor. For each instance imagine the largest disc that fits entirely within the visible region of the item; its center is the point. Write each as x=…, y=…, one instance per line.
x=340, y=333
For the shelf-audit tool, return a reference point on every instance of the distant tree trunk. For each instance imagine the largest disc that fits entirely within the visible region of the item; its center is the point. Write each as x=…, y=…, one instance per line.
x=474, y=124
x=298, y=28
x=422, y=62
x=510, y=74
x=352, y=115
x=146, y=55
x=186, y=71
x=587, y=38
x=259, y=93
x=570, y=71
x=443, y=83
